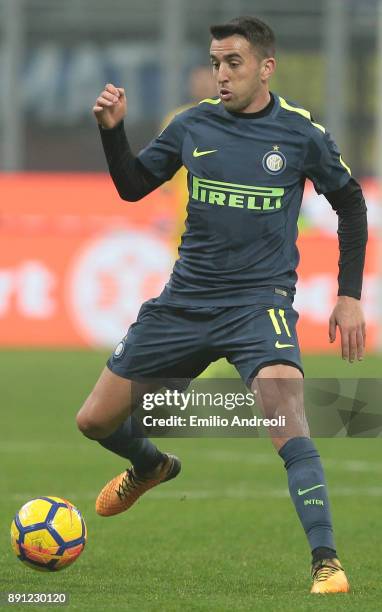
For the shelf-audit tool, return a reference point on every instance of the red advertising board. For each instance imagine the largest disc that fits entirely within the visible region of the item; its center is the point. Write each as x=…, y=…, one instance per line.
x=76, y=263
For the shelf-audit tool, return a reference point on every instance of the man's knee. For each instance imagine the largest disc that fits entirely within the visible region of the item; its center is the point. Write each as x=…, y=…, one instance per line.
x=109, y=404
x=90, y=425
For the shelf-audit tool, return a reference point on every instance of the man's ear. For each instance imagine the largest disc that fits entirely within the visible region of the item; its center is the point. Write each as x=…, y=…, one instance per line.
x=268, y=67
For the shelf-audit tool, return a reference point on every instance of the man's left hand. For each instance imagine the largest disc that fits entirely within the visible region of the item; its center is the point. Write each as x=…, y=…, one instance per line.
x=348, y=315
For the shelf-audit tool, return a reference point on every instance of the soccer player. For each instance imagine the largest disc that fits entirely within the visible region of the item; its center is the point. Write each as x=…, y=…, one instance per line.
x=248, y=152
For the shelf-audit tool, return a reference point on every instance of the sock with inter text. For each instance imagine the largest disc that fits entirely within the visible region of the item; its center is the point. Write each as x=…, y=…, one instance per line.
x=308, y=490
x=129, y=441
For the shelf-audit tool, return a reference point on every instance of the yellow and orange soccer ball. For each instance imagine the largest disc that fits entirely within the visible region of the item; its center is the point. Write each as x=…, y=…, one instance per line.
x=48, y=533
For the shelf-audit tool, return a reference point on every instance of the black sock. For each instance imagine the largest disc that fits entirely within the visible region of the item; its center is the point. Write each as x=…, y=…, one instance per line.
x=323, y=553
x=129, y=441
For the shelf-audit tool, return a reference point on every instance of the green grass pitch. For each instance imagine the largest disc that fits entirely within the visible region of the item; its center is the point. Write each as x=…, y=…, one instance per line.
x=221, y=537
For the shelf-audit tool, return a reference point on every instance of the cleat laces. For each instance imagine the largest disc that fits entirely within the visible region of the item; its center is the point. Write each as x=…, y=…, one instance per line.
x=131, y=485
x=325, y=570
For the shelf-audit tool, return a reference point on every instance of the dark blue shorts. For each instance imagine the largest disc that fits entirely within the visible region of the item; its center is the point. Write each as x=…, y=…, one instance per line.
x=171, y=342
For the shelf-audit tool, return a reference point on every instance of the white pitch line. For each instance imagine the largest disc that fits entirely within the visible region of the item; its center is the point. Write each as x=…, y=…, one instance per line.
x=353, y=465
x=224, y=456
x=199, y=494
x=347, y=465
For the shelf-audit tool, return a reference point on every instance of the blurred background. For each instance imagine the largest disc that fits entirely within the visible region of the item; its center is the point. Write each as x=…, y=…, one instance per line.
x=76, y=262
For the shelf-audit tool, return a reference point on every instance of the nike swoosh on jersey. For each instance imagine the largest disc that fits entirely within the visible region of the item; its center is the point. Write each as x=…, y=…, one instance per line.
x=197, y=153
x=279, y=345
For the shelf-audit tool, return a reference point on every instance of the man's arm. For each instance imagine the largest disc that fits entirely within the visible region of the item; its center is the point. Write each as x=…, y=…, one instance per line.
x=350, y=207
x=349, y=204
x=132, y=180
x=331, y=176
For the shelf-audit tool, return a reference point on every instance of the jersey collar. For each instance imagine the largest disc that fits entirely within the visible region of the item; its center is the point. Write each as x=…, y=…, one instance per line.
x=270, y=109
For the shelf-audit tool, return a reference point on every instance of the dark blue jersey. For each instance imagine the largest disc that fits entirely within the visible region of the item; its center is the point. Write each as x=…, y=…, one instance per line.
x=246, y=176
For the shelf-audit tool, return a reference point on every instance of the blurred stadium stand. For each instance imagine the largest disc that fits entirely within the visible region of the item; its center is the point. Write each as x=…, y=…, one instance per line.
x=61, y=53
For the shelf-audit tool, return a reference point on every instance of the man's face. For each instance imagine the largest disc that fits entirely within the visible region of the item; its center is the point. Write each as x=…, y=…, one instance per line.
x=239, y=73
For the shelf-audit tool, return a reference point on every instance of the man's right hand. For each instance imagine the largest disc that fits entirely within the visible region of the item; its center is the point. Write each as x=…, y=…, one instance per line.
x=110, y=107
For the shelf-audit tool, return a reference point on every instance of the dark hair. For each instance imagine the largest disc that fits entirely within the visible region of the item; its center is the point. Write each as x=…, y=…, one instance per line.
x=258, y=33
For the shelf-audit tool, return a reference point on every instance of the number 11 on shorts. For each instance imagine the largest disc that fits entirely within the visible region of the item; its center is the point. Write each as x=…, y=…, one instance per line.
x=275, y=322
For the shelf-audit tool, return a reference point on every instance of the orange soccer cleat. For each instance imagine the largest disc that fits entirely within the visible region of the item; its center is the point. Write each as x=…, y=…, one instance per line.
x=329, y=577
x=120, y=493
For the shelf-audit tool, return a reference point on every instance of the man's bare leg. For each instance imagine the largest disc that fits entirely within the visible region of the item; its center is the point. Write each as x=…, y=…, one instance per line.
x=112, y=400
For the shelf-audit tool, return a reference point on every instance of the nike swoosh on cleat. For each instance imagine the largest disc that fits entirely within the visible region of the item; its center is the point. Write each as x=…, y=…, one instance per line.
x=197, y=153
x=279, y=345
x=303, y=491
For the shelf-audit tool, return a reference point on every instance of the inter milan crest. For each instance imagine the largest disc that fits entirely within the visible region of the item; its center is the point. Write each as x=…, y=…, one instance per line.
x=274, y=162
x=119, y=349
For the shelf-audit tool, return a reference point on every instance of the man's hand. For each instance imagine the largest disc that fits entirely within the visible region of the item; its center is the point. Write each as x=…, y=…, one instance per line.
x=110, y=107
x=348, y=315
